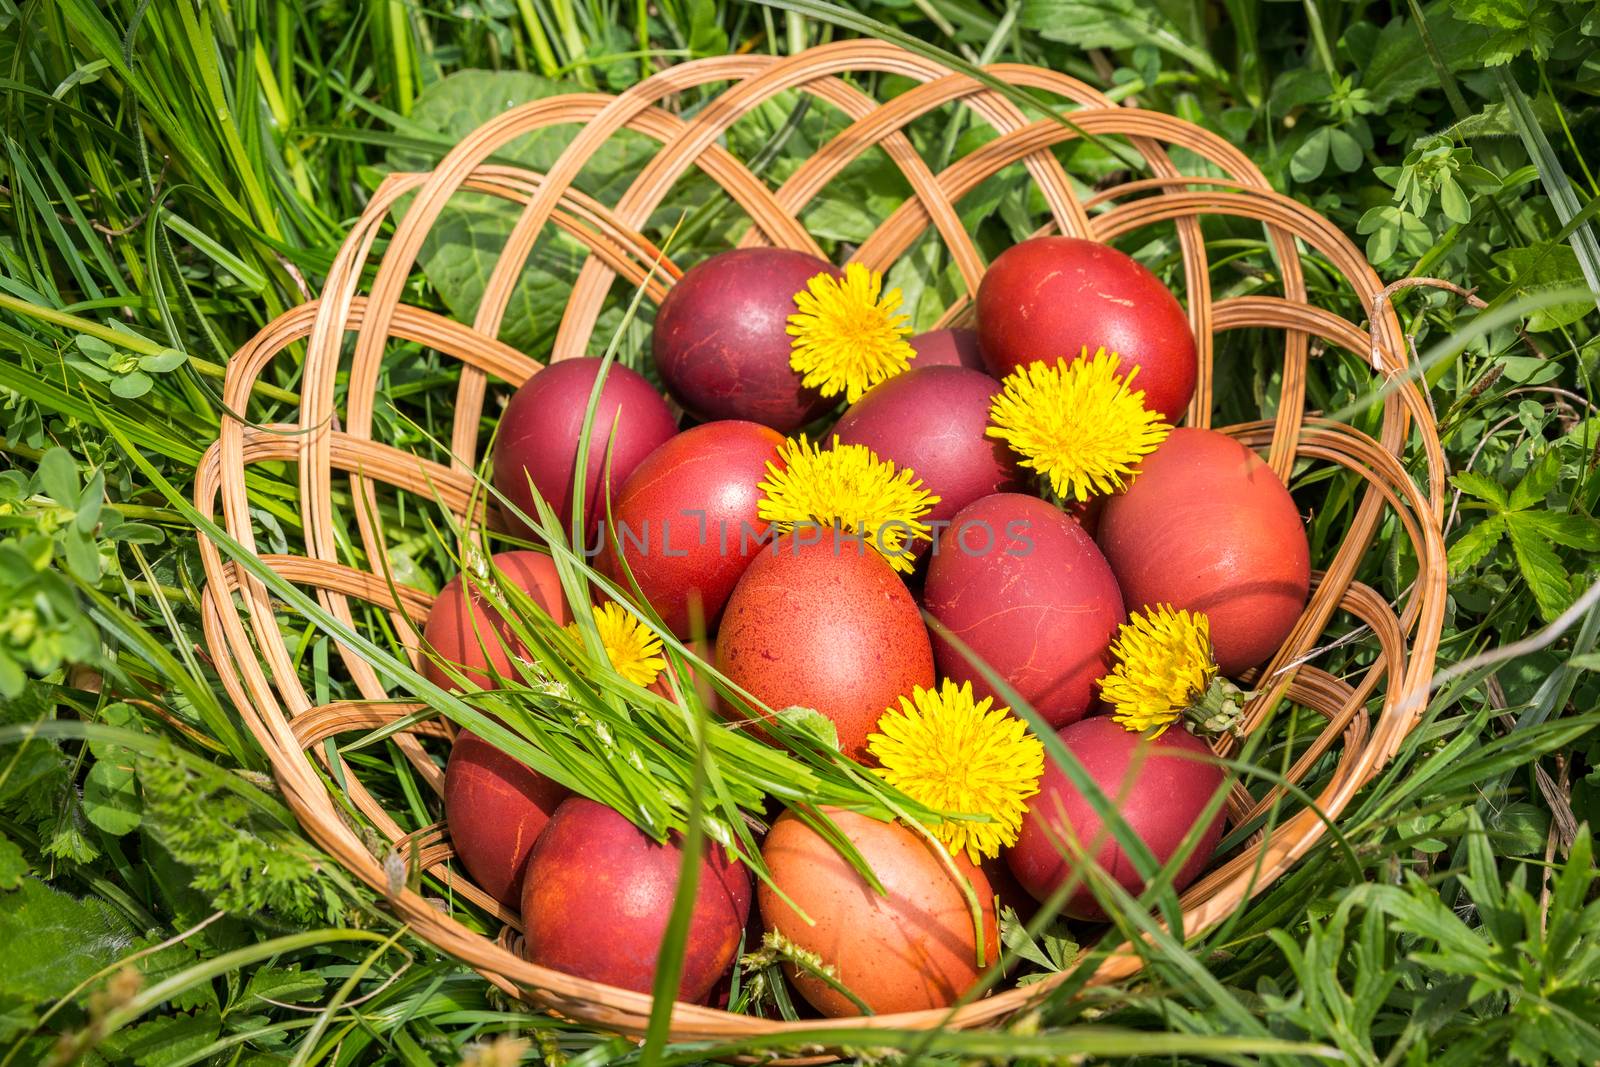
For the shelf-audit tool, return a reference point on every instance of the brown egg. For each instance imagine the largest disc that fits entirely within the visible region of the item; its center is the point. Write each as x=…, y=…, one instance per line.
x=825, y=624
x=473, y=636
x=496, y=807
x=598, y=896
x=1026, y=590
x=910, y=948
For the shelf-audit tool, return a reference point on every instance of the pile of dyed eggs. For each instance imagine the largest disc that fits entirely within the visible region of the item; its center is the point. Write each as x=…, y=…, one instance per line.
x=909, y=535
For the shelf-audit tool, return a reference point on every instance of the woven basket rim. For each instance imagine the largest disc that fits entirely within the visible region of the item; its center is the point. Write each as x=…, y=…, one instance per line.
x=240, y=626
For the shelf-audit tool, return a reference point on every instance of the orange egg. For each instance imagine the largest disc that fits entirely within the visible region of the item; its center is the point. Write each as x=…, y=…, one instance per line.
x=910, y=948
x=825, y=624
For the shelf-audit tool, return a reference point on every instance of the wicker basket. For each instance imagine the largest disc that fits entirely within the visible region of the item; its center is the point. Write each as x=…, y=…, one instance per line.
x=347, y=332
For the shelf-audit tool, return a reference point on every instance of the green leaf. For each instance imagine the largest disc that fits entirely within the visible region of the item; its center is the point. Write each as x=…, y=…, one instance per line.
x=95, y=348
x=131, y=386
x=812, y=722
x=83, y=557
x=1297, y=88
x=12, y=864
x=706, y=35
x=1563, y=528
x=1545, y=268
x=1112, y=24
x=1311, y=158
x=288, y=985
x=111, y=798
x=1056, y=953
x=93, y=371
x=1453, y=201
x=171, y=961
x=1481, y=487
x=1515, y=27
x=1520, y=829
x=166, y=1039
x=137, y=533
x=58, y=477
x=53, y=940
x=1382, y=244
x=1472, y=546
x=1540, y=566
x=1399, y=67
x=163, y=361
x=13, y=485
x=1345, y=149
x=1540, y=477
x=16, y=1020
x=90, y=502
x=1530, y=370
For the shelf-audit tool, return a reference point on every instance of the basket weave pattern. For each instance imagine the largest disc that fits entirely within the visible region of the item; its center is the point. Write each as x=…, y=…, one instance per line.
x=346, y=333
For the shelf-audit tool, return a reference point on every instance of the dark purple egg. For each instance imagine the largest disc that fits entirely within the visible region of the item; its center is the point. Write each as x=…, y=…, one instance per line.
x=538, y=439
x=932, y=419
x=956, y=346
x=721, y=338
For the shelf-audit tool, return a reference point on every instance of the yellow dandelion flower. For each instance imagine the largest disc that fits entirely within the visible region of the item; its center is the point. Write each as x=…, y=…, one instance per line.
x=847, y=488
x=634, y=652
x=1078, y=423
x=1165, y=671
x=968, y=758
x=847, y=335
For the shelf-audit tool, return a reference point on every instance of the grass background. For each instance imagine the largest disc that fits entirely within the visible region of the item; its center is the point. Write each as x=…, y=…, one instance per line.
x=177, y=172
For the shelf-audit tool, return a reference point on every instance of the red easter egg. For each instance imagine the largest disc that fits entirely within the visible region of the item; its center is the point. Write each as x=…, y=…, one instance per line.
x=911, y=947
x=932, y=420
x=825, y=624
x=721, y=338
x=598, y=895
x=473, y=636
x=1160, y=795
x=496, y=807
x=955, y=346
x=1207, y=526
x=538, y=437
x=686, y=520
x=1026, y=590
x=1050, y=297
